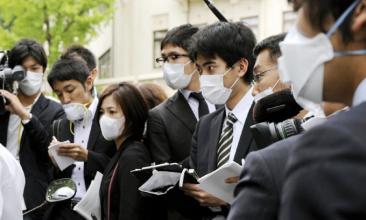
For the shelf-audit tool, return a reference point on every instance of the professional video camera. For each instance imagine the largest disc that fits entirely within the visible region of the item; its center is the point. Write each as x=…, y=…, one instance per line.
x=7, y=77
x=274, y=117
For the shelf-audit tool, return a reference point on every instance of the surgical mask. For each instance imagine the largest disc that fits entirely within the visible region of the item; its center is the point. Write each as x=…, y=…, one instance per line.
x=111, y=128
x=175, y=77
x=302, y=63
x=75, y=111
x=266, y=92
x=31, y=84
x=213, y=89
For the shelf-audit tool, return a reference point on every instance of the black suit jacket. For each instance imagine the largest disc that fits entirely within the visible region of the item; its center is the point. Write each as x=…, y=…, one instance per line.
x=126, y=203
x=326, y=176
x=203, y=157
x=170, y=127
x=33, y=153
x=258, y=194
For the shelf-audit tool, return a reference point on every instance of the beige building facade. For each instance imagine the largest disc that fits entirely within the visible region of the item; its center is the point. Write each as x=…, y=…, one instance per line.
x=127, y=46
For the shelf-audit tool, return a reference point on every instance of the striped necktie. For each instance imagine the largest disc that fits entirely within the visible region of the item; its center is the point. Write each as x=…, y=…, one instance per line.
x=226, y=139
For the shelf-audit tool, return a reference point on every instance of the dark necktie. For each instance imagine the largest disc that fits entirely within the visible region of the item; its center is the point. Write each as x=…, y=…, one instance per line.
x=203, y=107
x=226, y=140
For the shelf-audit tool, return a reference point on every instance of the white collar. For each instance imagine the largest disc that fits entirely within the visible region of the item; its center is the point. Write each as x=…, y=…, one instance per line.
x=186, y=93
x=242, y=108
x=91, y=111
x=360, y=93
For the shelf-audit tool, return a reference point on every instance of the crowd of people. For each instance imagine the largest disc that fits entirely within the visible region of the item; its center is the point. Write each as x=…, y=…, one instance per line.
x=289, y=106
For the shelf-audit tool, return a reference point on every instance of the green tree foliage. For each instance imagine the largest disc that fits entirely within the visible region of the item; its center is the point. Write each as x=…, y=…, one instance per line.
x=55, y=23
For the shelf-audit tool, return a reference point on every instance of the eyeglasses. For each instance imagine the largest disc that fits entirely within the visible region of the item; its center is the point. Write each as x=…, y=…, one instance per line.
x=171, y=58
x=257, y=77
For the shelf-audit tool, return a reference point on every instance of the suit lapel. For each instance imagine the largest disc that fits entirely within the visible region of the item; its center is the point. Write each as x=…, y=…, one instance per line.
x=39, y=106
x=37, y=109
x=246, y=138
x=180, y=108
x=215, y=130
x=94, y=133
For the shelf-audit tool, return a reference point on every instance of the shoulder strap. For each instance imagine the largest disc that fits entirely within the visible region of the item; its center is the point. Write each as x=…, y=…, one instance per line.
x=56, y=128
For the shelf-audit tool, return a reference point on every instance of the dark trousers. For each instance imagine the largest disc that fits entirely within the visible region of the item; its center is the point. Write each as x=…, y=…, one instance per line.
x=62, y=211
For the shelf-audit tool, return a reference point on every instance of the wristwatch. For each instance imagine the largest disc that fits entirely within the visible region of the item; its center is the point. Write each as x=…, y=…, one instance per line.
x=26, y=121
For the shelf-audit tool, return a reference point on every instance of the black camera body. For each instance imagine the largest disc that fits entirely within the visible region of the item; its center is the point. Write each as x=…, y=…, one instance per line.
x=7, y=78
x=265, y=133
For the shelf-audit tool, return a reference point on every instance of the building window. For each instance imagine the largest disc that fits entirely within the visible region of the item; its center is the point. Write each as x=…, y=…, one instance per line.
x=289, y=19
x=105, y=65
x=158, y=37
x=252, y=23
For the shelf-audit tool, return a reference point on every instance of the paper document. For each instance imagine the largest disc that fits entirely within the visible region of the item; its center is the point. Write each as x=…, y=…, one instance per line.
x=214, y=182
x=90, y=204
x=62, y=161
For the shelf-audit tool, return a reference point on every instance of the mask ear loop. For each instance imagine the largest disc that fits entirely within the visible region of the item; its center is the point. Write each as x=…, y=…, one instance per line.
x=275, y=84
x=337, y=24
x=341, y=19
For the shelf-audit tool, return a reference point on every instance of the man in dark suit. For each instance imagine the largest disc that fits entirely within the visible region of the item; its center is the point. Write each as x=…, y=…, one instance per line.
x=171, y=124
x=223, y=55
x=258, y=193
x=72, y=83
x=326, y=171
x=25, y=127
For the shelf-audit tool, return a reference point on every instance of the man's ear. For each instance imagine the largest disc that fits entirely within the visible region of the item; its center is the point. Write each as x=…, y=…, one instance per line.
x=89, y=83
x=94, y=73
x=359, y=17
x=243, y=67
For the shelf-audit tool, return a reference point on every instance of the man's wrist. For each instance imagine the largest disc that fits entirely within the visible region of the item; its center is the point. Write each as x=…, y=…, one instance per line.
x=26, y=118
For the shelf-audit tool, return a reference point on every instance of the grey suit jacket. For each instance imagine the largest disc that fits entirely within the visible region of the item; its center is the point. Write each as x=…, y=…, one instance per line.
x=258, y=194
x=170, y=127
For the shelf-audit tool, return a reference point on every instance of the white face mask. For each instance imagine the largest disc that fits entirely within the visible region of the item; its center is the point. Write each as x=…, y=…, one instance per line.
x=75, y=111
x=213, y=89
x=302, y=63
x=175, y=77
x=31, y=84
x=264, y=93
x=111, y=128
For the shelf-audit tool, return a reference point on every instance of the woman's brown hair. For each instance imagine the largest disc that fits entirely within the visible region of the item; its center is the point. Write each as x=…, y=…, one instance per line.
x=133, y=105
x=153, y=93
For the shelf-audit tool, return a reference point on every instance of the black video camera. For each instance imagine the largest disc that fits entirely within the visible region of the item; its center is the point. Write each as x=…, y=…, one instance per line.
x=265, y=133
x=7, y=78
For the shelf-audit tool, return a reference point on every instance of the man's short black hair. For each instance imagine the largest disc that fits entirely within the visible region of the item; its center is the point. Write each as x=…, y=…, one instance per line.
x=227, y=40
x=179, y=36
x=68, y=69
x=27, y=48
x=319, y=11
x=272, y=44
x=82, y=52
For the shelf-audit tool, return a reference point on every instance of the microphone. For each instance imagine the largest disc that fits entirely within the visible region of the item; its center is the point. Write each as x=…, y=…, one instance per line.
x=215, y=11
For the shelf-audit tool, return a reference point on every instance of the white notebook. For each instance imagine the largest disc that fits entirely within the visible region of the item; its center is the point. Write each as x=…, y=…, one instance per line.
x=62, y=161
x=214, y=182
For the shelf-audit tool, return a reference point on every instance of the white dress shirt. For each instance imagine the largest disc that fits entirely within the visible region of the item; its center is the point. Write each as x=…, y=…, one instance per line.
x=12, y=182
x=240, y=111
x=360, y=93
x=15, y=131
x=81, y=136
x=194, y=104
